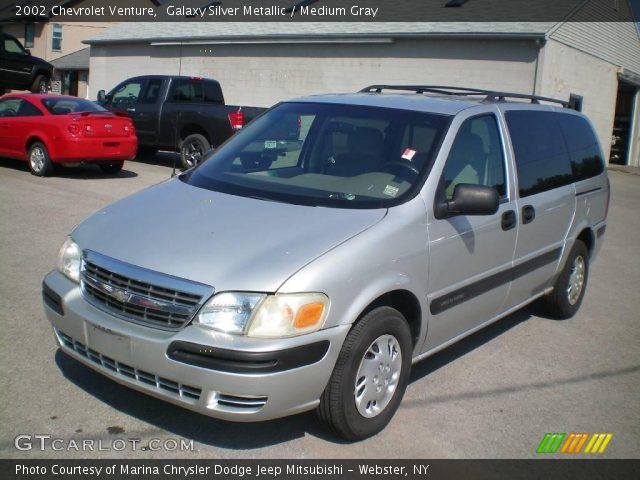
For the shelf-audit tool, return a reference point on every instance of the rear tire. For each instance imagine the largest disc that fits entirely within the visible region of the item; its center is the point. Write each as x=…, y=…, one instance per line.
x=111, y=168
x=192, y=149
x=40, y=163
x=368, y=382
x=40, y=84
x=568, y=291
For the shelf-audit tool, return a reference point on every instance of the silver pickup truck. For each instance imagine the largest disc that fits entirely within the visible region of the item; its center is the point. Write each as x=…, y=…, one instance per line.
x=332, y=243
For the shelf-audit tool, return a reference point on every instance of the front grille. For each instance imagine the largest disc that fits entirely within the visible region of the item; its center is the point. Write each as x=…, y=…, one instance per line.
x=176, y=389
x=140, y=295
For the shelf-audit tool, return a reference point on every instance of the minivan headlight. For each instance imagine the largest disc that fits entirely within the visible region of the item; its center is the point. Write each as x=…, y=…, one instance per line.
x=69, y=260
x=262, y=315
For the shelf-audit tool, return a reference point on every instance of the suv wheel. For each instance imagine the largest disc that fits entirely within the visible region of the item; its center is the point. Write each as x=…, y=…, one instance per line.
x=370, y=376
x=568, y=291
x=40, y=84
x=192, y=149
x=39, y=162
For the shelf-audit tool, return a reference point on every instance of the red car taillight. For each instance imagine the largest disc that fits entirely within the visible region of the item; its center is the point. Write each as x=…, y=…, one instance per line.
x=74, y=129
x=236, y=119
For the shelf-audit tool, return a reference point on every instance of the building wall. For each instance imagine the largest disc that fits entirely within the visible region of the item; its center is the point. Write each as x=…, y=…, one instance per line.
x=614, y=37
x=565, y=70
x=263, y=74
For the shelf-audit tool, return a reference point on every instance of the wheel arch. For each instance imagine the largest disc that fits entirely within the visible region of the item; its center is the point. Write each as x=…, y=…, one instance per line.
x=194, y=128
x=37, y=137
x=406, y=303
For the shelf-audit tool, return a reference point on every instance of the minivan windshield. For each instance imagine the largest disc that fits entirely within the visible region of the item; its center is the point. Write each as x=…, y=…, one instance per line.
x=343, y=156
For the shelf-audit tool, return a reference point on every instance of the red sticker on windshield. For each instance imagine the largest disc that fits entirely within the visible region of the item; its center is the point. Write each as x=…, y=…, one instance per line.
x=408, y=154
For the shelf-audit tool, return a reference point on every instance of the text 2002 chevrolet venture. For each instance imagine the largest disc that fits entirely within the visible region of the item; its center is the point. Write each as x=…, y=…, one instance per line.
x=334, y=241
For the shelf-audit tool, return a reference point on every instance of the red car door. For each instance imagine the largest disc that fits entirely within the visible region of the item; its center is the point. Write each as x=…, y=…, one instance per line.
x=23, y=119
x=8, y=111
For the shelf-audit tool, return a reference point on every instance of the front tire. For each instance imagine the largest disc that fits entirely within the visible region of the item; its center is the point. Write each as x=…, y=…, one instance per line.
x=568, y=291
x=111, y=168
x=40, y=84
x=192, y=149
x=370, y=376
x=39, y=161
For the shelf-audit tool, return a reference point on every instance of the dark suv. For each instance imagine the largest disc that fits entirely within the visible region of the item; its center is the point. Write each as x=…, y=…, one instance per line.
x=21, y=71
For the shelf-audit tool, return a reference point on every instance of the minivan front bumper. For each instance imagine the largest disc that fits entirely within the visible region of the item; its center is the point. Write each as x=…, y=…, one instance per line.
x=224, y=376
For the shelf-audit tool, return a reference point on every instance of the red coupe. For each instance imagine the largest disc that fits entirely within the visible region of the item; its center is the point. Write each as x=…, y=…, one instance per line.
x=46, y=130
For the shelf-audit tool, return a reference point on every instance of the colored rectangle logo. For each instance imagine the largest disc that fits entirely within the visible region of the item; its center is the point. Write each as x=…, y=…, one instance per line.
x=574, y=443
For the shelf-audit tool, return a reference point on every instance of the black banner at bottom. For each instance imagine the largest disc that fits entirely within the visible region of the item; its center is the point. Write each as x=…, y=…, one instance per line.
x=319, y=469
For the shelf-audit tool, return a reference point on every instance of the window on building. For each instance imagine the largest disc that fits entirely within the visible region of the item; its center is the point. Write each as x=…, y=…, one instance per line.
x=56, y=38
x=476, y=157
x=29, y=34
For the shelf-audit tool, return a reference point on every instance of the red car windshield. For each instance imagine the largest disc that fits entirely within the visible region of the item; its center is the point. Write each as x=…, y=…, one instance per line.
x=65, y=105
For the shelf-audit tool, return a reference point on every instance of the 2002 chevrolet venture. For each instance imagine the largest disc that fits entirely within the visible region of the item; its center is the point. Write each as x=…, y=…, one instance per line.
x=318, y=253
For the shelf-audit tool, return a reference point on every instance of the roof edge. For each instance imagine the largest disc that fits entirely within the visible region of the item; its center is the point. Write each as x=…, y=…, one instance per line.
x=328, y=36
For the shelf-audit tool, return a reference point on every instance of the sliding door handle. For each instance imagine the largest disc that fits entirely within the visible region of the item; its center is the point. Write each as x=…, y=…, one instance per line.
x=528, y=214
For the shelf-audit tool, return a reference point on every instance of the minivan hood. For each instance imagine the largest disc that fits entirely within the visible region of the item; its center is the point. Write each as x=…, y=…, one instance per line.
x=226, y=241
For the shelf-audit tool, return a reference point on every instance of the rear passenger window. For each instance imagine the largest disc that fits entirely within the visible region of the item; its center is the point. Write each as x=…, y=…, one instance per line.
x=476, y=157
x=542, y=158
x=584, y=151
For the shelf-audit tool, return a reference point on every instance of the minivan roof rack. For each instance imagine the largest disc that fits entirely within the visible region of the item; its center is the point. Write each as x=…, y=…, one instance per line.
x=490, y=95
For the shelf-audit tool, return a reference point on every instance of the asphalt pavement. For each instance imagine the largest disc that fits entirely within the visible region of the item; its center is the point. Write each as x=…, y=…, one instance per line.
x=493, y=395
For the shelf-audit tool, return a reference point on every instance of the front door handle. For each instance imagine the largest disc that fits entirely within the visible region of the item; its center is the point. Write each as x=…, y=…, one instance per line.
x=508, y=220
x=131, y=109
x=528, y=214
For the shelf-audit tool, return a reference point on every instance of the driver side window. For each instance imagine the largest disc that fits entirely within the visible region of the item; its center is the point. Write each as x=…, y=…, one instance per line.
x=476, y=157
x=127, y=94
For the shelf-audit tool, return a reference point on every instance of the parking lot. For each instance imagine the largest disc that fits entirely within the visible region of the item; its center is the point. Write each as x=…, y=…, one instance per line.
x=495, y=394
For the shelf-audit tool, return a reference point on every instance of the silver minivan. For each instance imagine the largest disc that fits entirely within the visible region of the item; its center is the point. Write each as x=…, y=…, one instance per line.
x=317, y=254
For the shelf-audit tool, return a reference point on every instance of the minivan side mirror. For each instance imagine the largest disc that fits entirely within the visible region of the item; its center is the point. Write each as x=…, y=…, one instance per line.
x=102, y=98
x=27, y=51
x=469, y=199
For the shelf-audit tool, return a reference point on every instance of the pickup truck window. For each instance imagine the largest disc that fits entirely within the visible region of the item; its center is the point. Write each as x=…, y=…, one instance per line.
x=152, y=92
x=195, y=91
x=11, y=46
x=343, y=156
x=127, y=93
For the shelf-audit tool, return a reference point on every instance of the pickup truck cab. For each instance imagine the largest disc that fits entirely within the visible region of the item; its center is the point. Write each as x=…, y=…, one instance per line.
x=19, y=70
x=332, y=243
x=177, y=113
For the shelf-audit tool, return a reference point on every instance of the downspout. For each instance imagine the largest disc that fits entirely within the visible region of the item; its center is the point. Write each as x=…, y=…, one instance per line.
x=540, y=43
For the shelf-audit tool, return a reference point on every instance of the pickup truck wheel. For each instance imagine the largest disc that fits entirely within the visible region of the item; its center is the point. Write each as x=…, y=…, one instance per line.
x=39, y=162
x=568, y=291
x=193, y=149
x=370, y=376
x=111, y=168
x=40, y=84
